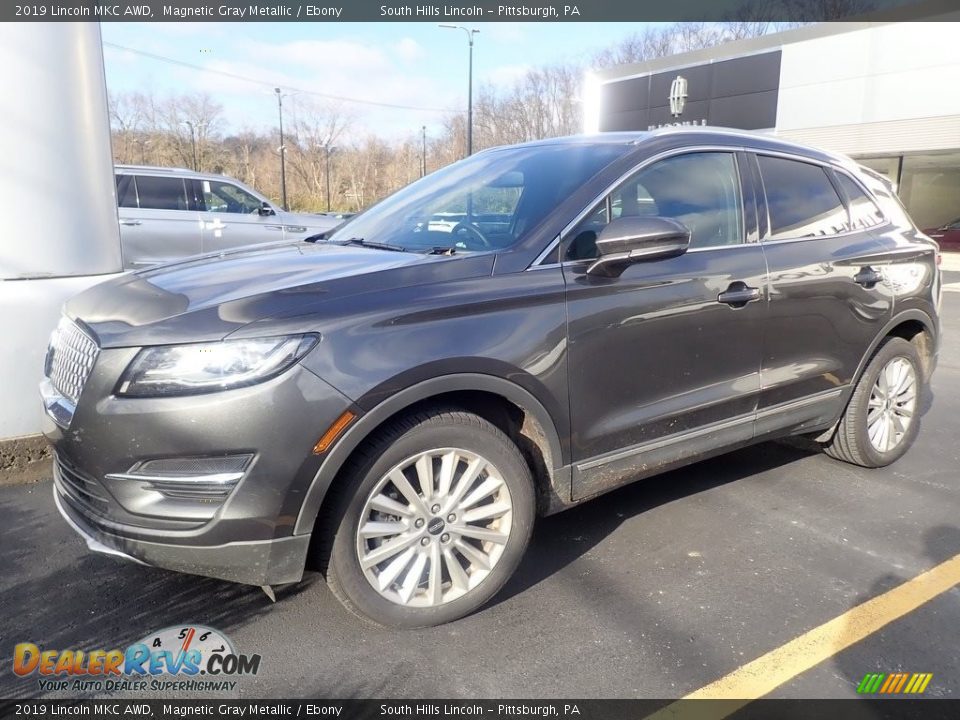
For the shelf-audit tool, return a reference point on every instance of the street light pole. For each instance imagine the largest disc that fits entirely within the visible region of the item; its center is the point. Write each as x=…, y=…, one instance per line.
x=193, y=143
x=470, y=33
x=328, y=148
x=423, y=152
x=283, y=150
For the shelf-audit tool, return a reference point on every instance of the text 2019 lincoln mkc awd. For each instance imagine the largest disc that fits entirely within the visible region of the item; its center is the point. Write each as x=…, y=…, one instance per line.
x=509, y=336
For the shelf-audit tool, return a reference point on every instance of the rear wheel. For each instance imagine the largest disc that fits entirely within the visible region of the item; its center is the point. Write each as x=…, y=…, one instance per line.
x=433, y=518
x=882, y=419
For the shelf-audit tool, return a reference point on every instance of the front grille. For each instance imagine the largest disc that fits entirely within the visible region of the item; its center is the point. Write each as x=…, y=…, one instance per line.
x=82, y=490
x=70, y=359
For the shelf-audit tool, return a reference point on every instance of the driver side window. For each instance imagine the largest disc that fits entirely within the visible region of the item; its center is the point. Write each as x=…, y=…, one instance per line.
x=701, y=190
x=226, y=198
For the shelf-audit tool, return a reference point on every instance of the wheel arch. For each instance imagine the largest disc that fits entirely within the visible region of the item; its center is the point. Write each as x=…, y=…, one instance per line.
x=912, y=325
x=488, y=396
x=907, y=324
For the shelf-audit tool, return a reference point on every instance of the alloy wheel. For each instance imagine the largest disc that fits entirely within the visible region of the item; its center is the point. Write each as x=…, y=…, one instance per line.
x=892, y=404
x=433, y=527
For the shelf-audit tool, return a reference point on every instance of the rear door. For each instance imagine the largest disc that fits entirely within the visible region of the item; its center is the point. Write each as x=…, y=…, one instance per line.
x=828, y=298
x=664, y=362
x=231, y=216
x=158, y=222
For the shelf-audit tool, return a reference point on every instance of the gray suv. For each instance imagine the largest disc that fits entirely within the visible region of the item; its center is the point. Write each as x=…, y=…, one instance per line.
x=395, y=405
x=171, y=213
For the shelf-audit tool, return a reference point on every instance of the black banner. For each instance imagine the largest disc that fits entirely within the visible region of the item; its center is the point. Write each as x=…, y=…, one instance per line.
x=475, y=11
x=874, y=709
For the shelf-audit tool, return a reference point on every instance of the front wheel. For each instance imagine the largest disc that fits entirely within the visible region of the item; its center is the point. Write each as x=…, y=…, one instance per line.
x=882, y=418
x=433, y=517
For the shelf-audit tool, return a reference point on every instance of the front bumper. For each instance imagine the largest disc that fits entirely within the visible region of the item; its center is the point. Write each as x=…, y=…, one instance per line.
x=265, y=562
x=246, y=533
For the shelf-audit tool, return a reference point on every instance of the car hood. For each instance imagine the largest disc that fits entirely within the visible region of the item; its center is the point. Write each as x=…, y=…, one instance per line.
x=207, y=298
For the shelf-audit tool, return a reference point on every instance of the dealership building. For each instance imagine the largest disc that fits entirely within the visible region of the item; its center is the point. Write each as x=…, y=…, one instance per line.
x=887, y=94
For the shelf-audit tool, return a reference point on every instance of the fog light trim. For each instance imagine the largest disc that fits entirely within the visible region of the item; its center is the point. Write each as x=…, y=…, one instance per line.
x=177, y=484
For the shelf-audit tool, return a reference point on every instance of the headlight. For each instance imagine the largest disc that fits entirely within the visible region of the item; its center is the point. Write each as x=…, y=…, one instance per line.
x=208, y=367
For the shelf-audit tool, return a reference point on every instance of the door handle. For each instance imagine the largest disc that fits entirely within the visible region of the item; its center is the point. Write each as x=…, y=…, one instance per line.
x=127, y=221
x=868, y=277
x=738, y=295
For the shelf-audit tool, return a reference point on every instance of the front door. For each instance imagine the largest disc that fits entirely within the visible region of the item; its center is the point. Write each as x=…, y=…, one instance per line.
x=664, y=361
x=232, y=218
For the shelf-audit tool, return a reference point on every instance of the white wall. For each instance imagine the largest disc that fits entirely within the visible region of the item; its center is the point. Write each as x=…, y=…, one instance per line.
x=29, y=311
x=887, y=88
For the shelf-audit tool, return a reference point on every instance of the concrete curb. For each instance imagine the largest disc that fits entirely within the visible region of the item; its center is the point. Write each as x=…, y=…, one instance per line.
x=24, y=460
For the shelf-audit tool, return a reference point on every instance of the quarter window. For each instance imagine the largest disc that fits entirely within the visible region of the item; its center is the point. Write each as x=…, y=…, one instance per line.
x=701, y=190
x=864, y=212
x=126, y=192
x=801, y=200
x=161, y=193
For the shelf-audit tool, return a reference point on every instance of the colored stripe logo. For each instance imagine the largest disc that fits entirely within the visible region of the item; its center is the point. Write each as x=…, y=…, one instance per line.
x=894, y=683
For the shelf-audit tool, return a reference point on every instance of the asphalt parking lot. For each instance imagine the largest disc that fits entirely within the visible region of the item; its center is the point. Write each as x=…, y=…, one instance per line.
x=653, y=591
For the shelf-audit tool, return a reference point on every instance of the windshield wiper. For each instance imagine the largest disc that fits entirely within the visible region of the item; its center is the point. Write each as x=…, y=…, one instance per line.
x=375, y=245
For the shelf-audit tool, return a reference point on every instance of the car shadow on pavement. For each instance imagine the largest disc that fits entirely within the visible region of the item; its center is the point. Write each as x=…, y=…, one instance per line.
x=84, y=601
x=561, y=539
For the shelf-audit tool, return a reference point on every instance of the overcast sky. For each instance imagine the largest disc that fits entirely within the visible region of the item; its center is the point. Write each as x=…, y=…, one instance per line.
x=411, y=64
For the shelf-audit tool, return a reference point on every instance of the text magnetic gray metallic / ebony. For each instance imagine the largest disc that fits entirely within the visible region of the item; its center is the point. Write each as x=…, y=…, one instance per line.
x=509, y=336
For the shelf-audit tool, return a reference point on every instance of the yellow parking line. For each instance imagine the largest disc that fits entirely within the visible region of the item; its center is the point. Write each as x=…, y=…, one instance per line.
x=768, y=672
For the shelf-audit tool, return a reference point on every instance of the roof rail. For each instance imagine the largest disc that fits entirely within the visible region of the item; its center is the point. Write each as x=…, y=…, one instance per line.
x=152, y=168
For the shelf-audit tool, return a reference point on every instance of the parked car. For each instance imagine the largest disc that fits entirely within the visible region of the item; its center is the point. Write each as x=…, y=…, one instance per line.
x=340, y=215
x=947, y=235
x=394, y=406
x=171, y=213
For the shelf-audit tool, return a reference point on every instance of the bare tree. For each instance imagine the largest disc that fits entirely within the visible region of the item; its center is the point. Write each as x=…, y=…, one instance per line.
x=316, y=131
x=825, y=10
x=542, y=102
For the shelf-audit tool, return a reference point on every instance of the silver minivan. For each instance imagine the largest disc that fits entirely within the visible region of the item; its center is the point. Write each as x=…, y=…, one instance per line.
x=171, y=213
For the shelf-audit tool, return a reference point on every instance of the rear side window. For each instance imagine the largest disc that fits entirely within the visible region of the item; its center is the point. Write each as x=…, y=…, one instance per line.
x=161, y=193
x=864, y=212
x=801, y=200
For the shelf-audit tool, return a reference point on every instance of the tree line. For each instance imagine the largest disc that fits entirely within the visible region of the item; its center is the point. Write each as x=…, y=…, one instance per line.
x=189, y=130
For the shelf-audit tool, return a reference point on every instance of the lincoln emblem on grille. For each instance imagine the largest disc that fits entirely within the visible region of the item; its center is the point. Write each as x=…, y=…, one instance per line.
x=678, y=95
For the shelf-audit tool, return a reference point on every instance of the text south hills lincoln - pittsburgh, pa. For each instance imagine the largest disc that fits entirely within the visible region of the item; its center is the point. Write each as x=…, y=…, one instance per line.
x=476, y=11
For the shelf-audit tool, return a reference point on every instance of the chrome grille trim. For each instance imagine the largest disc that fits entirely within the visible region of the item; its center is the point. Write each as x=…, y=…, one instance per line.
x=80, y=489
x=70, y=359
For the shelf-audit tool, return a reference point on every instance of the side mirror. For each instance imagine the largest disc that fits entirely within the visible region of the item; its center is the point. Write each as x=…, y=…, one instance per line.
x=629, y=240
x=265, y=209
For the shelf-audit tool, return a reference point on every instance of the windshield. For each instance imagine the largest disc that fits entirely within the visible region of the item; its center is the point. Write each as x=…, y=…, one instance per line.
x=486, y=202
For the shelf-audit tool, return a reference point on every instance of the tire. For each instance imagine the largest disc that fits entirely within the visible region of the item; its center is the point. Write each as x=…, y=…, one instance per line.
x=859, y=436
x=428, y=589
